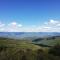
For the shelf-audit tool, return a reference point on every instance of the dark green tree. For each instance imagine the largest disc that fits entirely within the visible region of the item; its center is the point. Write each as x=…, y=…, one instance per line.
x=55, y=50
x=40, y=54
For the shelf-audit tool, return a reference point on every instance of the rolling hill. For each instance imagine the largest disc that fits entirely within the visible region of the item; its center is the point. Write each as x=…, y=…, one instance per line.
x=47, y=41
x=28, y=35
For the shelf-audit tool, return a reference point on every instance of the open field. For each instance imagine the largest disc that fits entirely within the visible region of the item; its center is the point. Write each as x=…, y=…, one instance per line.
x=12, y=49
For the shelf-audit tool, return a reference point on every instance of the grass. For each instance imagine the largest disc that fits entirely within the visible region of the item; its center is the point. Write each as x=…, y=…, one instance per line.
x=11, y=49
x=50, y=42
x=18, y=44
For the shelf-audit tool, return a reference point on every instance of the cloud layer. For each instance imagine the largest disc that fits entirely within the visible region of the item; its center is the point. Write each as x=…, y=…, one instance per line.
x=50, y=26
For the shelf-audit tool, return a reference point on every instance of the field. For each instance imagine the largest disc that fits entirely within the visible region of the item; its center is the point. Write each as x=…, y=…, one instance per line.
x=14, y=49
x=48, y=41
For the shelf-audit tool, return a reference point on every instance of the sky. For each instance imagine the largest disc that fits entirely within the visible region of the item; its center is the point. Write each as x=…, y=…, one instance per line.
x=29, y=15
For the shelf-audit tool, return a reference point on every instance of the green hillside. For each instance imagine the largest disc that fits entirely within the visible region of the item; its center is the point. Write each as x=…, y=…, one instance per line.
x=12, y=49
x=23, y=44
x=49, y=41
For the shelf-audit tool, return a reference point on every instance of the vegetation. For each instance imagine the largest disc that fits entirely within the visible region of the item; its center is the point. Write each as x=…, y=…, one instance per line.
x=11, y=49
x=48, y=41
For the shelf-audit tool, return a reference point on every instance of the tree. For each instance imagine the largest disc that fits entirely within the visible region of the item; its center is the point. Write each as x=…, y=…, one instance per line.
x=24, y=57
x=55, y=50
x=40, y=54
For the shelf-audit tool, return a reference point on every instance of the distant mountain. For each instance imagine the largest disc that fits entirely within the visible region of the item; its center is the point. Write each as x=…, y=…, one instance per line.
x=11, y=34
x=28, y=35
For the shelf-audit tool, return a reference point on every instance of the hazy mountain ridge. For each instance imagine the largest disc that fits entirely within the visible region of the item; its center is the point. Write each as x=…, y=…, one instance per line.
x=28, y=34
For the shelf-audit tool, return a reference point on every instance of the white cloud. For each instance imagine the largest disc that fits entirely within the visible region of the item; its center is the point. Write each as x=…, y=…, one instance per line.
x=1, y=24
x=50, y=26
x=19, y=25
x=10, y=27
x=53, y=21
x=15, y=24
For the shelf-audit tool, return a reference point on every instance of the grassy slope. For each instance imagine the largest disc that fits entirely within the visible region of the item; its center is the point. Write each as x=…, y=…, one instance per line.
x=51, y=42
x=14, y=47
x=18, y=44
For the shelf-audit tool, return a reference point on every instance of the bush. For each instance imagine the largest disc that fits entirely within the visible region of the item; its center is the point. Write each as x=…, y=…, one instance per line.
x=55, y=50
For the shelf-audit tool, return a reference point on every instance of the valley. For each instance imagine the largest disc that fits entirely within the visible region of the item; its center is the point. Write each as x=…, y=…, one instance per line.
x=46, y=48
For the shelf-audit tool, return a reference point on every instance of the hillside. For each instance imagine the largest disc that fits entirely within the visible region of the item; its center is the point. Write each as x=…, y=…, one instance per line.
x=17, y=43
x=48, y=41
x=15, y=49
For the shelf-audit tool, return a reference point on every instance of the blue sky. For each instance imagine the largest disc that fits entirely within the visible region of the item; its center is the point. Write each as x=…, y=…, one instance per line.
x=29, y=14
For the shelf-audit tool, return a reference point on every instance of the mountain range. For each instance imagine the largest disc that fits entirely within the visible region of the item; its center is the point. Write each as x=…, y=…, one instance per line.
x=18, y=35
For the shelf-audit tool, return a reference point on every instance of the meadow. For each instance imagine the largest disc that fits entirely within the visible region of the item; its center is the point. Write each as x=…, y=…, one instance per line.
x=15, y=49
